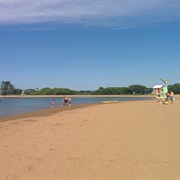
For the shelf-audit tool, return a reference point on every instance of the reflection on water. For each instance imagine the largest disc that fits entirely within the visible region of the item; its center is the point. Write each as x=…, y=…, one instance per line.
x=12, y=106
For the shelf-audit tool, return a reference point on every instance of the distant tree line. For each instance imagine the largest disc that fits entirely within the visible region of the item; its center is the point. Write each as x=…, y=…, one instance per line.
x=7, y=88
x=55, y=91
x=133, y=89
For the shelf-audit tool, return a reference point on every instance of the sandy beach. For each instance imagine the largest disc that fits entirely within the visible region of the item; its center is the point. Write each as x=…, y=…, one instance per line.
x=124, y=140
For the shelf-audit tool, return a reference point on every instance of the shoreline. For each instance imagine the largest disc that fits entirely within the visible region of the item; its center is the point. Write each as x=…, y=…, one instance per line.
x=49, y=111
x=39, y=111
x=42, y=112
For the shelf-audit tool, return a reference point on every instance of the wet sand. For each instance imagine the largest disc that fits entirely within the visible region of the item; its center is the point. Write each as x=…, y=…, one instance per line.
x=125, y=140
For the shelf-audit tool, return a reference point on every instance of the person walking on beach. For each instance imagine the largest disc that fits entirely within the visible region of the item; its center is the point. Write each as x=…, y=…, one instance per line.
x=172, y=97
x=53, y=103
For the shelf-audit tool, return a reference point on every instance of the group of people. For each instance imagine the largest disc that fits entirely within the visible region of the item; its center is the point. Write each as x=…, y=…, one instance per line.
x=169, y=97
x=66, y=102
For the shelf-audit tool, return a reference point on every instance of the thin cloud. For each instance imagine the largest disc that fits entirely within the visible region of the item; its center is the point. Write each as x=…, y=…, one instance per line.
x=119, y=13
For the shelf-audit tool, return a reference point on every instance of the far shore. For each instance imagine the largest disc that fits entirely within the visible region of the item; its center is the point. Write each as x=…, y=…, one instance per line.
x=39, y=96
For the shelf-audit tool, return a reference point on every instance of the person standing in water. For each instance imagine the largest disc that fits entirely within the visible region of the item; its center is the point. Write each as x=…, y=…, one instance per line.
x=53, y=103
x=66, y=102
x=69, y=101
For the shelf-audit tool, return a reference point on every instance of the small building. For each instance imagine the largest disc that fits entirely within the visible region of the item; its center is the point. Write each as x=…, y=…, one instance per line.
x=156, y=87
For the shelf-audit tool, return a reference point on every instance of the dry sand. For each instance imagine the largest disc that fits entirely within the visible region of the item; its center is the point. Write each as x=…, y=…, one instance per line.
x=127, y=140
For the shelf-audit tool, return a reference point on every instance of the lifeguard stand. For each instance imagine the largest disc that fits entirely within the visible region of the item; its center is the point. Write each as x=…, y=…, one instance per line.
x=164, y=90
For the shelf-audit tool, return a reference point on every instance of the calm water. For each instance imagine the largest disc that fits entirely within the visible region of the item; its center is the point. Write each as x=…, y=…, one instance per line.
x=13, y=106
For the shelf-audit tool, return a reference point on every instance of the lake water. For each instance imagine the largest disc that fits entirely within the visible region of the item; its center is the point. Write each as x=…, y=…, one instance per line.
x=13, y=106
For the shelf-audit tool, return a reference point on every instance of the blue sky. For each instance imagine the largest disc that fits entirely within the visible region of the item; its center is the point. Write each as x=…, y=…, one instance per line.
x=82, y=44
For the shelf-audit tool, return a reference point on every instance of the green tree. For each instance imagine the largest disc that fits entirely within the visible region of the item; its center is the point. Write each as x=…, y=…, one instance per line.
x=176, y=88
x=7, y=88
